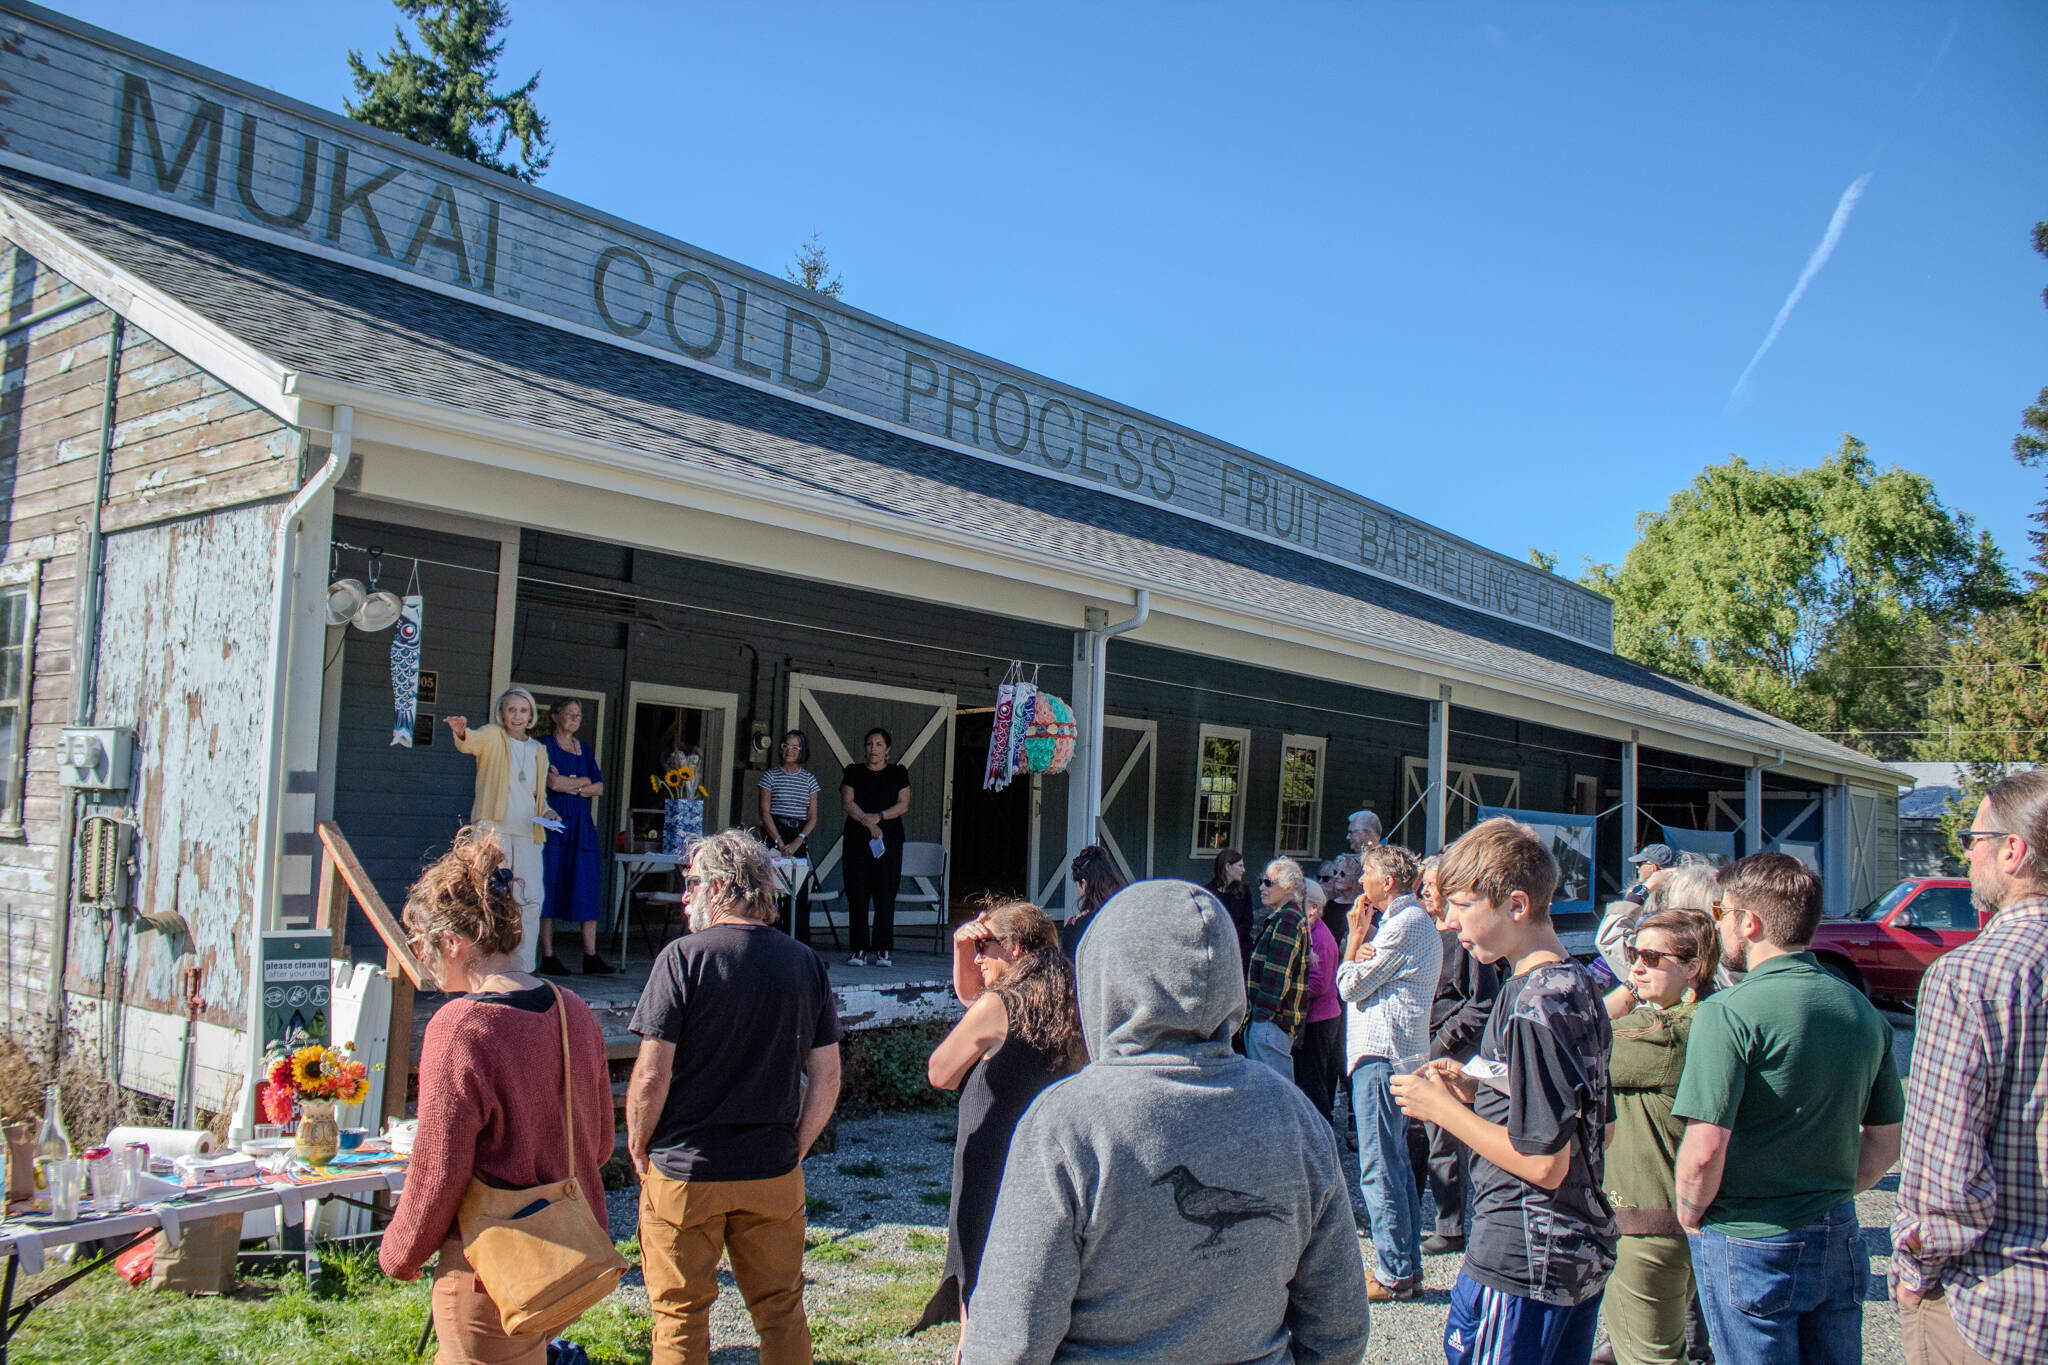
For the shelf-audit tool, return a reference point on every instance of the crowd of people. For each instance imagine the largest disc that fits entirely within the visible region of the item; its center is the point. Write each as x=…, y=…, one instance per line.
x=1147, y=1166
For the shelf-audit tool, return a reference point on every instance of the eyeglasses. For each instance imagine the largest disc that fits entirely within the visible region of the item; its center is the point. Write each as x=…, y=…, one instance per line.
x=1267, y=881
x=1326, y=876
x=1968, y=837
x=1718, y=909
x=982, y=946
x=1652, y=957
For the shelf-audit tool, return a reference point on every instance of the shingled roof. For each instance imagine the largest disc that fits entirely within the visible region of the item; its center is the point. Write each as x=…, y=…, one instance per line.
x=357, y=327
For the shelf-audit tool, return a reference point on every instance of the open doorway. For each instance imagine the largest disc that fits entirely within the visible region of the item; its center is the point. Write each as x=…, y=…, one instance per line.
x=673, y=730
x=991, y=830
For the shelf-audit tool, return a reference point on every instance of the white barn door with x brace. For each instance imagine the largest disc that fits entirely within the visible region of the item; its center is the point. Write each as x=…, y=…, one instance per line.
x=837, y=713
x=1130, y=795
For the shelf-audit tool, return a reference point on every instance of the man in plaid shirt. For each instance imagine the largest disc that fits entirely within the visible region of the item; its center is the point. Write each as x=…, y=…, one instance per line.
x=1277, y=984
x=1970, y=1269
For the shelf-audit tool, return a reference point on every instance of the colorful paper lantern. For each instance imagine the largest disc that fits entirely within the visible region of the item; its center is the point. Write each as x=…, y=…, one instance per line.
x=1049, y=735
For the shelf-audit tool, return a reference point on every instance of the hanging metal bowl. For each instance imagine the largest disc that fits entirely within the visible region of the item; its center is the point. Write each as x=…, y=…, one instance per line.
x=344, y=599
x=380, y=611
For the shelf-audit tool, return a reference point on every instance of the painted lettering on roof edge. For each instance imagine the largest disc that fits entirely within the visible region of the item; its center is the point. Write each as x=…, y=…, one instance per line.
x=92, y=106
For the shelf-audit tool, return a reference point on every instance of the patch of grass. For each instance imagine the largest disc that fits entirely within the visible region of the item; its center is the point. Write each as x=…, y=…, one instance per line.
x=868, y=1325
x=630, y=1249
x=352, y=1316
x=817, y=1206
x=835, y=1250
x=867, y=1168
x=938, y=1199
x=920, y=1240
x=917, y=1167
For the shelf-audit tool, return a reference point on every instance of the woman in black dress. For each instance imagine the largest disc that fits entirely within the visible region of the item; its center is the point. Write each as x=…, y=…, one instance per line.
x=1228, y=886
x=1021, y=1033
x=874, y=795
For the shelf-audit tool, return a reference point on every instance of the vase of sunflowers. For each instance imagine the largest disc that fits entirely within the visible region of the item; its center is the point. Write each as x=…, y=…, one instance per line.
x=309, y=1081
x=682, y=809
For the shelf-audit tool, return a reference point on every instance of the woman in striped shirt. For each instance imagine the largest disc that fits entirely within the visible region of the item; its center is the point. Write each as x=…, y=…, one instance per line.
x=789, y=812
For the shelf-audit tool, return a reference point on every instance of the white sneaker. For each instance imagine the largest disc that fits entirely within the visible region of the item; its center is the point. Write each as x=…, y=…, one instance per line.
x=857, y=960
x=882, y=960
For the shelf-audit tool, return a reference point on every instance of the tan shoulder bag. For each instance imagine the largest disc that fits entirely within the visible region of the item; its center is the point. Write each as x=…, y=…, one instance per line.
x=540, y=1253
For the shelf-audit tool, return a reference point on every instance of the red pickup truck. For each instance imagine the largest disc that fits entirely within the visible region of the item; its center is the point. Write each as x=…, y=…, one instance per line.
x=1886, y=948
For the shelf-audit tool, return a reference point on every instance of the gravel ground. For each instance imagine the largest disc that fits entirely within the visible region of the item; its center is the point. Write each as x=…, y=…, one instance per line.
x=878, y=1224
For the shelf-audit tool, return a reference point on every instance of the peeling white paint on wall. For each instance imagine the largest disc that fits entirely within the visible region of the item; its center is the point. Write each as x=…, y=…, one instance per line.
x=182, y=649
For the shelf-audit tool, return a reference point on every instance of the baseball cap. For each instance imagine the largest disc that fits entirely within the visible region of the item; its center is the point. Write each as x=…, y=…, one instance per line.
x=1659, y=854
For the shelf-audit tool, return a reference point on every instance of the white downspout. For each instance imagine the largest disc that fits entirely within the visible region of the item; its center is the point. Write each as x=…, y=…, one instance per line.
x=1098, y=707
x=276, y=694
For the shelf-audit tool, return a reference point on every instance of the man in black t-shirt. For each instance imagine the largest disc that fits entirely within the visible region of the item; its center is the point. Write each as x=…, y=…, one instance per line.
x=737, y=1074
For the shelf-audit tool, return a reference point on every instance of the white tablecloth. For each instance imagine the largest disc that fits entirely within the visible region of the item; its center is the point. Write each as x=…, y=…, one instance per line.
x=28, y=1239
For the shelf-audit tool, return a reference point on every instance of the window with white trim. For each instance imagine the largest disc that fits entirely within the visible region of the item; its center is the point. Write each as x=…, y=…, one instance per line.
x=17, y=640
x=1219, y=789
x=1299, y=834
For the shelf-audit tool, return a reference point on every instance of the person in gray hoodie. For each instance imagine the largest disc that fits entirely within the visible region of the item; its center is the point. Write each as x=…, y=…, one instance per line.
x=1172, y=1202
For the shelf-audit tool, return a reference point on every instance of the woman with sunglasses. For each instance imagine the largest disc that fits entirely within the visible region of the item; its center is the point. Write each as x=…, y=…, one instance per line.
x=1021, y=1032
x=1671, y=964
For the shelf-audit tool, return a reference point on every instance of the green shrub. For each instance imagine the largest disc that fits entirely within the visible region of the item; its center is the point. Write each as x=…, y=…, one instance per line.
x=882, y=1069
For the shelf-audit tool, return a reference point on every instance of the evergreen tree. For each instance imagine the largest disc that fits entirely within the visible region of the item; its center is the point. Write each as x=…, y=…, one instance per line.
x=2030, y=447
x=439, y=94
x=813, y=270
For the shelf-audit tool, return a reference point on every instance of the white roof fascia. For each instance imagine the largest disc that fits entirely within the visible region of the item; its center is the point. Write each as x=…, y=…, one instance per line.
x=191, y=334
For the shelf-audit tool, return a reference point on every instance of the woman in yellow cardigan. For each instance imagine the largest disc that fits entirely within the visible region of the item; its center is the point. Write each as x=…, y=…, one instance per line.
x=511, y=795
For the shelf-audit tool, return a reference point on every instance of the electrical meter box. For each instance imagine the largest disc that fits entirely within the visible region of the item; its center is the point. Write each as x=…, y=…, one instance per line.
x=101, y=758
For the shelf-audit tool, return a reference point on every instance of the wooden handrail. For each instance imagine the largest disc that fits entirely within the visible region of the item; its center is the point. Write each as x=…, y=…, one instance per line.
x=342, y=877
x=343, y=863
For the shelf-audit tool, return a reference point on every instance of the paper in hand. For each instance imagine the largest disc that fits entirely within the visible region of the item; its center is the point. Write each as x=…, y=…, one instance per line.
x=877, y=847
x=1487, y=1072
x=550, y=822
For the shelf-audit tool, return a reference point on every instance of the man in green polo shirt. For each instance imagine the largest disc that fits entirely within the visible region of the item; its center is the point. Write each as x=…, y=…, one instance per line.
x=1792, y=1104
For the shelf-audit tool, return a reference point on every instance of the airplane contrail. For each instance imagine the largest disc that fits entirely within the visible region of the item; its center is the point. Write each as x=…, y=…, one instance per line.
x=1819, y=258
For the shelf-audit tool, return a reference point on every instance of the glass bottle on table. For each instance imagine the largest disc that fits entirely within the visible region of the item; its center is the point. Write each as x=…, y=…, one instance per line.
x=52, y=1142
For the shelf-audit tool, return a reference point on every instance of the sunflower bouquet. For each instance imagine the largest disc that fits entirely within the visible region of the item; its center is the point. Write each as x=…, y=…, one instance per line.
x=293, y=1075
x=677, y=784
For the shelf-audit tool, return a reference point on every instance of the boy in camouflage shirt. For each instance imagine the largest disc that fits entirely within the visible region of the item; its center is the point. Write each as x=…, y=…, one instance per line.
x=1542, y=1237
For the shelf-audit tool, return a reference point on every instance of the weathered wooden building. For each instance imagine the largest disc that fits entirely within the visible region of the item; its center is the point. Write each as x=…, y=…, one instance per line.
x=712, y=505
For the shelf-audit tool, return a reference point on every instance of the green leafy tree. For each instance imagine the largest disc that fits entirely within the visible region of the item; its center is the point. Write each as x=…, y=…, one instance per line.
x=439, y=94
x=1542, y=559
x=813, y=270
x=1822, y=595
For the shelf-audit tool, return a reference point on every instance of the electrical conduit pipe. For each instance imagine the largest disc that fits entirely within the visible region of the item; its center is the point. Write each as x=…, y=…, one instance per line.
x=276, y=696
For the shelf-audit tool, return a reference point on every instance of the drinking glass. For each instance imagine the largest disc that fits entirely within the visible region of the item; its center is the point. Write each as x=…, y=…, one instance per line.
x=269, y=1130
x=66, y=1179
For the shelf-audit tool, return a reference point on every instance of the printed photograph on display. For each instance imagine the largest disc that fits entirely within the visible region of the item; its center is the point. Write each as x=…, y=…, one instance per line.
x=1715, y=845
x=1571, y=842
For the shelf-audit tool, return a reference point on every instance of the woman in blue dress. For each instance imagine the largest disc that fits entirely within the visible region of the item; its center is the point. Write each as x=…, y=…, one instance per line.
x=572, y=871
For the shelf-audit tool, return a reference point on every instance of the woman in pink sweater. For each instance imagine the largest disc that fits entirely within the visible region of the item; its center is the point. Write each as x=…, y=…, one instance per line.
x=490, y=1092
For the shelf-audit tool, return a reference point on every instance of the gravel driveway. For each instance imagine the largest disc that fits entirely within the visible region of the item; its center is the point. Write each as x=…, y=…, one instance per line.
x=878, y=1229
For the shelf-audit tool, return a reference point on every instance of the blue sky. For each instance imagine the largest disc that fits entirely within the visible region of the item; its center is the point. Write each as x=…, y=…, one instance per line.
x=1498, y=266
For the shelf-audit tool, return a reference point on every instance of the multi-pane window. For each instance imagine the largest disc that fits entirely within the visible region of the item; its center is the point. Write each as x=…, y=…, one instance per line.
x=1219, y=789
x=16, y=605
x=1301, y=795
